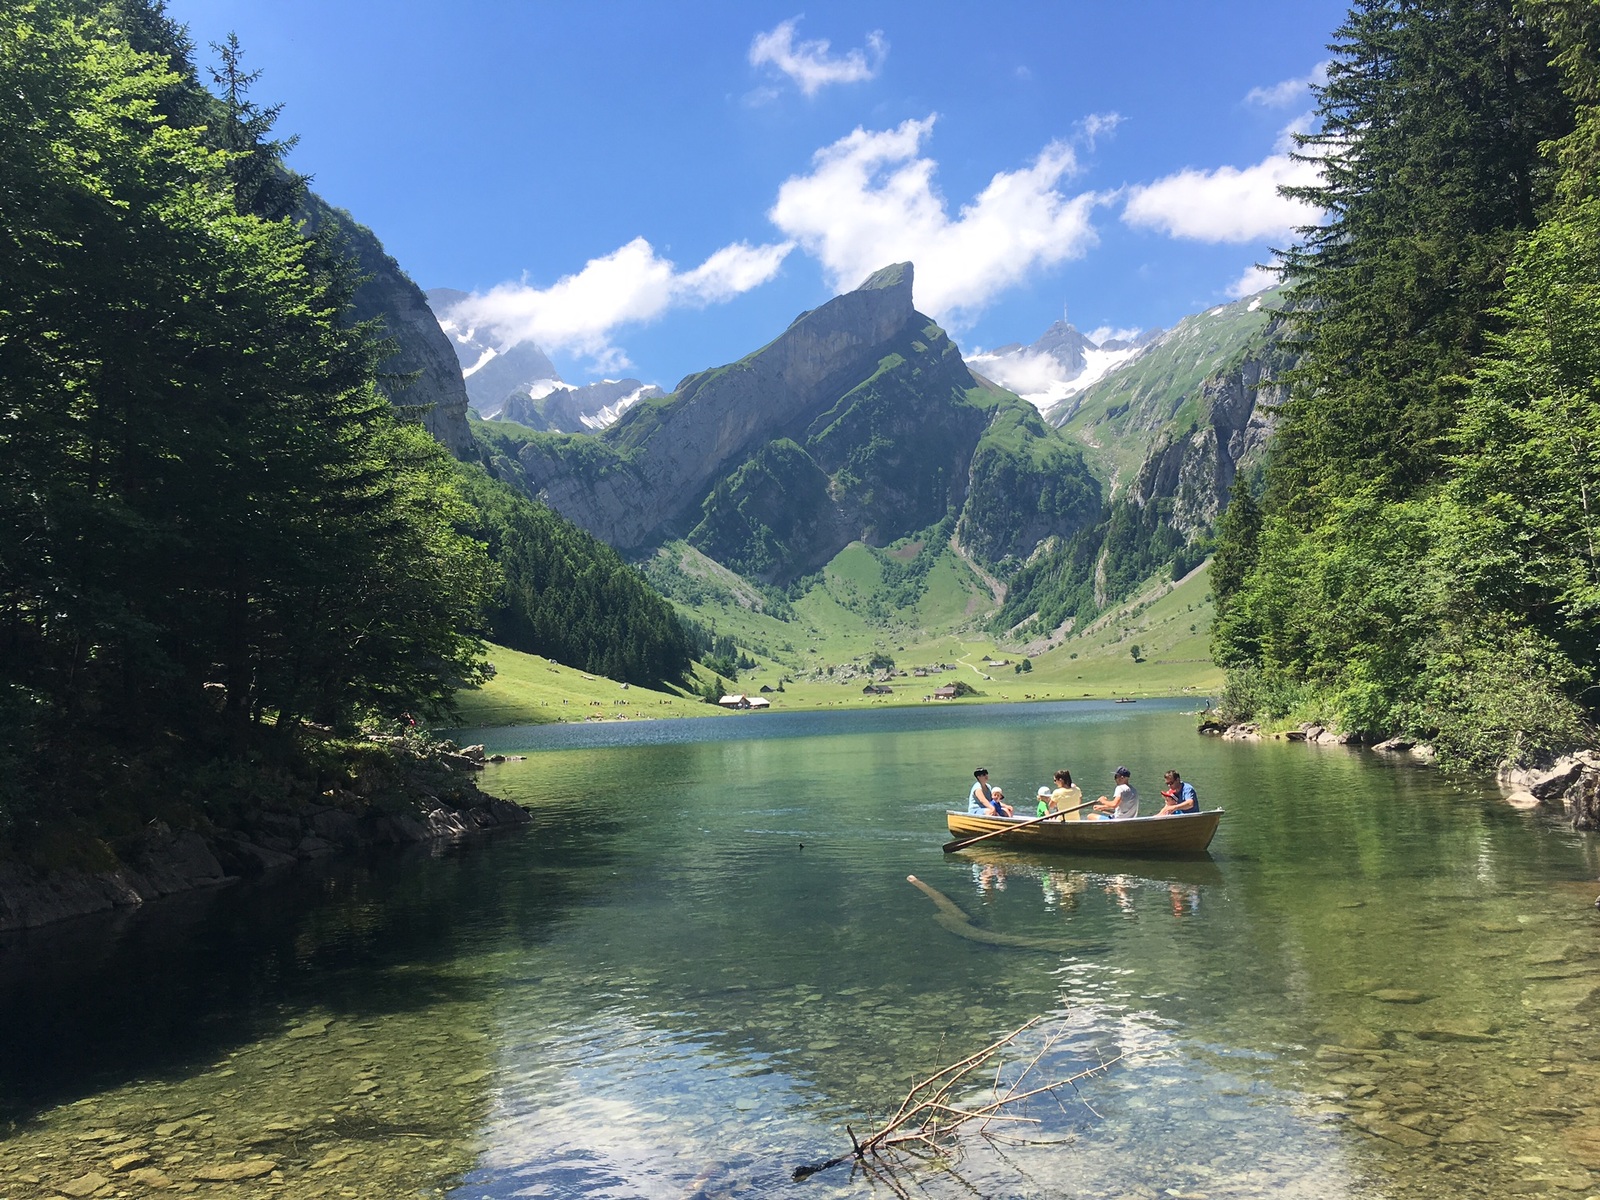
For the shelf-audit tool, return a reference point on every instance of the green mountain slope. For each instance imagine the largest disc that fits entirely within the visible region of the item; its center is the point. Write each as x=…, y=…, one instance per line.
x=1117, y=418
x=861, y=422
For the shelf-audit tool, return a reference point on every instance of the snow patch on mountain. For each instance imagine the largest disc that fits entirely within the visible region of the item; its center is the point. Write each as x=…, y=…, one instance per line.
x=1041, y=377
x=609, y=414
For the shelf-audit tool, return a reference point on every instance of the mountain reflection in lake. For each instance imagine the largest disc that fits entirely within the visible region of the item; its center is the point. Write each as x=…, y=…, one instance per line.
x=704, y=959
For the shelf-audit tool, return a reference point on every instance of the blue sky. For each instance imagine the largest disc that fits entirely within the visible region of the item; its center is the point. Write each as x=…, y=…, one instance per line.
x=651, y=189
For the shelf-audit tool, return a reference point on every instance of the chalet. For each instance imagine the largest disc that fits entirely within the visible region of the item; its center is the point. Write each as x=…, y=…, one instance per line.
x=947, y=692
x=740, y=701
x=877, y=689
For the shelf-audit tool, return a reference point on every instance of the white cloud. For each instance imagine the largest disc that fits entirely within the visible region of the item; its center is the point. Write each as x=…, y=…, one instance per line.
x=1105, y=333
x=1043, y=380
x=1096, y=124
x=1255, y=279
x=808, y=63
x=631, y=285
x=1229, y=204
x=1290, y=91
x=1025, y=372
x=870, y=201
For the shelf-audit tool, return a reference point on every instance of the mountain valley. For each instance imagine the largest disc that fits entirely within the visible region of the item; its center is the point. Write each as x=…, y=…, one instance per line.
x=856, y=486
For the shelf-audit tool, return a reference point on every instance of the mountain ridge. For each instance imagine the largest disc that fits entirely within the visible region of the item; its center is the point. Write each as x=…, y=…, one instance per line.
x=861, y=420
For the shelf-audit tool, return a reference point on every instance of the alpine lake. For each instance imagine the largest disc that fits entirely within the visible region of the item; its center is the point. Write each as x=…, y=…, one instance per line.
x=704, y=961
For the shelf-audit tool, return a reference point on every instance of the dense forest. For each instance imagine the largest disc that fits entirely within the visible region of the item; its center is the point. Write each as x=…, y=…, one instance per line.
x=214, y=529
x=1424, y=556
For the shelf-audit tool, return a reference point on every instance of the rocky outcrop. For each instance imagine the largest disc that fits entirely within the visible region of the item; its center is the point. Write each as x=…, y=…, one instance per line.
x=161, y=863
x=1568, y=781
x=1195, y=468
x=422, y=374
x=165, y=861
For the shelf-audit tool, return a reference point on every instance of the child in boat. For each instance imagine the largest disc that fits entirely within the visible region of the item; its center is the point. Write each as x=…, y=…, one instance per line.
x=1180, y=798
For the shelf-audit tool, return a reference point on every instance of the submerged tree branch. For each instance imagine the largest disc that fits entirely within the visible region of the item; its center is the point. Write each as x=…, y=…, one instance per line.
x=931, y=1117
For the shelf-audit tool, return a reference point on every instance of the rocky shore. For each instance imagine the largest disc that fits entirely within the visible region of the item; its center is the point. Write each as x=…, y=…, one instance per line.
x=432, y=797
x=1569, y=782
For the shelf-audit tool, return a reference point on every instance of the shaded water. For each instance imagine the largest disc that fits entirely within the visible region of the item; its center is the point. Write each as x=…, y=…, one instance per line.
x=704, y=960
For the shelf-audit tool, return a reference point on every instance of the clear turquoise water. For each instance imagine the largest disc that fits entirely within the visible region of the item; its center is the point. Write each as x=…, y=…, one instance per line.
x=704, y=959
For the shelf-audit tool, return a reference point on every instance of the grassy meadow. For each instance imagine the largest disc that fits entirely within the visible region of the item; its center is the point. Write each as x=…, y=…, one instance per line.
x=841, y=622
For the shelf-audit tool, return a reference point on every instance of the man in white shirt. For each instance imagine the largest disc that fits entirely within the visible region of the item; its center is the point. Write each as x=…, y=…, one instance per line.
x=1123, y=802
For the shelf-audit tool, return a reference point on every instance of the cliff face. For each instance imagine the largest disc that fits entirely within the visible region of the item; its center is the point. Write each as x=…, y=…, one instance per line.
x=859, y=421
x=1196, y=469
x=387, y=294
x=653, y=467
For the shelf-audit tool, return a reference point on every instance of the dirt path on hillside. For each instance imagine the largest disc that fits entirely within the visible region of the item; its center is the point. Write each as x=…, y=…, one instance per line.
x=996, y=588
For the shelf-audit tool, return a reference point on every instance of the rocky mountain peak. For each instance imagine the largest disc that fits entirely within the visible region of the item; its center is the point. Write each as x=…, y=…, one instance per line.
x=894, y=277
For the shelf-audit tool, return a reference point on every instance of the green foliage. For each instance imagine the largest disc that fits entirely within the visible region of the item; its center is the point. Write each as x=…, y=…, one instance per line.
x=1059, y=584
x=1134, y=651
x=1432, y=118
x=1529, y=461
x=211, y=524
x=1237, y=544
x=1424, y=561
x=759, y=519
x=566, y=595
x=1026, y=481
x=879, y=661
x=1254, y=694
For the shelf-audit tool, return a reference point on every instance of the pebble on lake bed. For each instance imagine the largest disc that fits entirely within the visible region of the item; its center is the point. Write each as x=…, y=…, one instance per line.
x=232, y=1172
x=1399, y=996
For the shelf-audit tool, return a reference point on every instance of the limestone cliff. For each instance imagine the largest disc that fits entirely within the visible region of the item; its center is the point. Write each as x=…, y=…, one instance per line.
x=422, y=373
x=1194, y=467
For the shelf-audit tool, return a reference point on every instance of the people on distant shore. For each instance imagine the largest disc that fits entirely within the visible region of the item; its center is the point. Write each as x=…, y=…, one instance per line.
x=1066, y=796
x=1180, y=798
x=983, y=802
x=1123, y=803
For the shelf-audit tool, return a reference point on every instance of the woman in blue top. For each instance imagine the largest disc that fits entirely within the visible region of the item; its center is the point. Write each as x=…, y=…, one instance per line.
x=981, y=802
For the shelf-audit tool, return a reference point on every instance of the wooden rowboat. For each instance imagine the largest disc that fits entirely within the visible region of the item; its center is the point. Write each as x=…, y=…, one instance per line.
x=1135, y=835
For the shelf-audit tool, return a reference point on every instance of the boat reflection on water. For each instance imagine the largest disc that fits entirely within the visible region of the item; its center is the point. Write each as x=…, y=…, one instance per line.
x=1131, y=884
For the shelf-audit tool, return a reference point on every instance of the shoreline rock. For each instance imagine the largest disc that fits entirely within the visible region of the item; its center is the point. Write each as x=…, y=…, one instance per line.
x=164, y=861
x=1569, y=781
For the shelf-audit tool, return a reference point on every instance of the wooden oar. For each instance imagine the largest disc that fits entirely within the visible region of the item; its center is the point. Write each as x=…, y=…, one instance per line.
x=951, y=847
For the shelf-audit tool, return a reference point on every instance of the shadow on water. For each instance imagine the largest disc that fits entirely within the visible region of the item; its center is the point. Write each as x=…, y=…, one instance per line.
x=159, y=990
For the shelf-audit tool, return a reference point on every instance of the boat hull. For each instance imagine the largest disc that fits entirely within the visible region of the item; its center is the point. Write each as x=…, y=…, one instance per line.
x=1138, y=835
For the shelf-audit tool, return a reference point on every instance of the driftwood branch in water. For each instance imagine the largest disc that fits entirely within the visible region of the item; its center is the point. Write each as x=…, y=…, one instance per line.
x=930, y=1116
x=949, y=916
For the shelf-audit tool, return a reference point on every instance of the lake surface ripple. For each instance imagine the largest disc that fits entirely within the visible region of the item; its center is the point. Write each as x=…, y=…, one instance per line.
x=704, y=960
